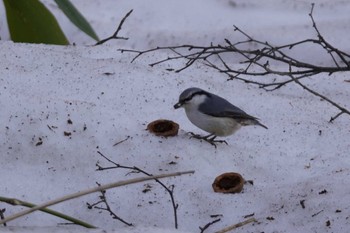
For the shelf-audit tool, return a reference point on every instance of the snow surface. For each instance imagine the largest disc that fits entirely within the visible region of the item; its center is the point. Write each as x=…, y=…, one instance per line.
x=107, y=99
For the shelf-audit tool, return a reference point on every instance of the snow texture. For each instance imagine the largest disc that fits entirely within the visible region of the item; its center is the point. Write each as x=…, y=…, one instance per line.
x=60, y=105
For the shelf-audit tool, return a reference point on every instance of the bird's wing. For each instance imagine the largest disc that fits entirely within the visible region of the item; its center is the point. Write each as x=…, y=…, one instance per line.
x=223, y=108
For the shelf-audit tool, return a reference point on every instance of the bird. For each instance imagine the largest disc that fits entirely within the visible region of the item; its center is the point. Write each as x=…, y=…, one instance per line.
x=213, y=114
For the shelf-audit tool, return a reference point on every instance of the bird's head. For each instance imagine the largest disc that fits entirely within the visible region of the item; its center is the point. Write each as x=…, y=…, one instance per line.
x=191, y=97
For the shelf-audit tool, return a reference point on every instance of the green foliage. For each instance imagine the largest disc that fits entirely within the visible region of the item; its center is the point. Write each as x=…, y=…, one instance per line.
x=30, y=21
x=76, y=18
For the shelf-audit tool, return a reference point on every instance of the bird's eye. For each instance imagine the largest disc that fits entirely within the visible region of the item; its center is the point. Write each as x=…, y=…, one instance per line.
x=187, y=99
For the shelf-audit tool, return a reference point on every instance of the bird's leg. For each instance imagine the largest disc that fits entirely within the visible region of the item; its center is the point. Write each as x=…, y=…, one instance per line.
x=220, y=141
x=197, y=136
x=209, y=138
x=212, y=140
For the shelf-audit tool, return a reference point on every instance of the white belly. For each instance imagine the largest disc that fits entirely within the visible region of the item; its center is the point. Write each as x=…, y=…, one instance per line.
x=213, y=125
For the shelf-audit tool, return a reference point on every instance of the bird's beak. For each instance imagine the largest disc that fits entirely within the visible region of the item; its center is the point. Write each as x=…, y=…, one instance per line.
x=178, y=105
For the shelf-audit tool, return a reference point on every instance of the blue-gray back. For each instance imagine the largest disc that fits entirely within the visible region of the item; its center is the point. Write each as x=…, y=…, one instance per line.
x=219, y=107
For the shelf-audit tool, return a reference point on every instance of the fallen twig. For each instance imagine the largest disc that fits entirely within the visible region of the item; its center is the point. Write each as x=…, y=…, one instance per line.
x=259, y=58
x=323, y=97
x=208, y=225
x=117, y=143
x=230, y=228
x=14, y=202
x=170, y=189
x=315, y=214
x=103, y=200
x=89, y=191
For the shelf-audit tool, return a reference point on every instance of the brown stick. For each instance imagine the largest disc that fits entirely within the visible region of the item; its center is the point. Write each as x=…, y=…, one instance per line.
x=230, y=228
x=89, y=191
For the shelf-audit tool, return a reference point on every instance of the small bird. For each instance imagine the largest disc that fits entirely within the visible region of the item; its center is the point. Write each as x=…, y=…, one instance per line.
x=213, y=114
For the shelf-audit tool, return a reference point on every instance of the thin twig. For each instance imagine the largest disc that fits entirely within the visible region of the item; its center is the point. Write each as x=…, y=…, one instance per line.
x=230, y=228
x=327, y=45
x=315, y=214
x=103, y=200
x=15, y=202
x=342, y=109
x=208, y=225
x=264, y=59
x=115, y=34
x=117, y=143
x=89, y=191
x=170, y=189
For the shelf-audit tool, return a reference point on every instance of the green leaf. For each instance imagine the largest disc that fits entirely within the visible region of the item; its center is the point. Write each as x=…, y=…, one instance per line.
x=75, y=17
x=30, y=21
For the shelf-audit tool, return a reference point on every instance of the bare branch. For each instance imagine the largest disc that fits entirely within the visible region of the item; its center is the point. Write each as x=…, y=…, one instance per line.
x=327, y=45
x=209, y=224
x=103, y=200
x=134, y=169
x=259, y=58
x=89, y=191
x=13, y=201
x=342, y=109
x=230, y=228
x=117, y=143
x=115, y=34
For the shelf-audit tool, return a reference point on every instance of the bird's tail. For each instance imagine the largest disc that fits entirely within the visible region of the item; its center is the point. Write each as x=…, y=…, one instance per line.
x=253, y=122
x=250, y=120
x=258, y=123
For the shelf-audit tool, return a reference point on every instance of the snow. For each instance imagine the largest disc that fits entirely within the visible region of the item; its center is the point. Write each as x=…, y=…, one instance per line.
x=107, y=99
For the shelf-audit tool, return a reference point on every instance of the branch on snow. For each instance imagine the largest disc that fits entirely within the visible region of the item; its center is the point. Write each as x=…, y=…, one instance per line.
x=134, y=169
x=264, y=59
x=103, y=201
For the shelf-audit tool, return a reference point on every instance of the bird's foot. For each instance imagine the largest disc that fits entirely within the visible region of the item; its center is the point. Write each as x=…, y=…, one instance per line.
x=197, y=136
x=209, y=138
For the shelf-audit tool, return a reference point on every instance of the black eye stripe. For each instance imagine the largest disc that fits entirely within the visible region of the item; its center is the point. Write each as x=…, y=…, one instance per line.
x=188, y=99
x=194, y=94
x=199, y=93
